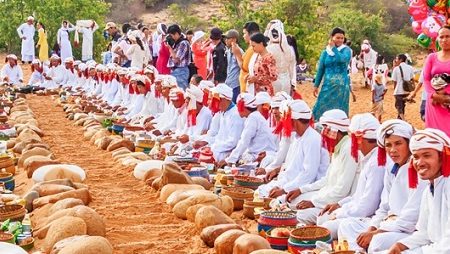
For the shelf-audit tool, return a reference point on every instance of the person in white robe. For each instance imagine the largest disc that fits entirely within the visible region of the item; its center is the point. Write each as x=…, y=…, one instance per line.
x=399, y=207
x=225, y=135
x=256, y=136
x=198, y=116
x=136, y=51
x=284, y=56
x=88, y=41
x=366, y=199
x=81, y=76
x=37, y=74
x=91, y=81
x=166, y=120
x=70, y=77
x=137, y=97
x=113, y=85
x=26, y=33
x=56, y=74
x=303, y=160
x=63, y=39
x=341, y=176
x=430, y=150
x=119, y=96
x=11, y=72
x=369, y=58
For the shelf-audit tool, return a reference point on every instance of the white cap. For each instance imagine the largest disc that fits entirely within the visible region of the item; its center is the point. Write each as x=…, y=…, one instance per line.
x=224, y=91
x=299, y=109
x=262, y=98
x=364, y=125
x=247, y=99
x=336, y=120
x=197, y=35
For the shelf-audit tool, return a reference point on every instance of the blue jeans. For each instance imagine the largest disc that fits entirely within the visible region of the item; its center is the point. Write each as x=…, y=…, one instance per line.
x=182, y=76
x=236, y=92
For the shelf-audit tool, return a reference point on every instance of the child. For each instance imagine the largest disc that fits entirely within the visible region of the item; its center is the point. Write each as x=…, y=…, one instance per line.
x=302, y=70
x=378, y=92
x=380, y=68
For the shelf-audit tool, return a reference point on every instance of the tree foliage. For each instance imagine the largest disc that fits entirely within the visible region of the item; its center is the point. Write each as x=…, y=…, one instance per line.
x=51, y=13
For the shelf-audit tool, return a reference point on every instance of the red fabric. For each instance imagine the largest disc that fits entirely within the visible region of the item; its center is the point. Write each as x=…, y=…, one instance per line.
x=287, y=124
x=297, y=96
x=163, y=59
x=328, y=143
x=413, y=179
x=241, y=105
x=354, y=147
x=381, y=156
x=215, y=101
x=200, y=61
x=205, y=98
x=192, y=117
x=265, y=112
x=446, y=162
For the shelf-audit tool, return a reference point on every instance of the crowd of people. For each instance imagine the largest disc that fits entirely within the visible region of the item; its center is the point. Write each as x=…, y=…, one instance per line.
x=383, y=187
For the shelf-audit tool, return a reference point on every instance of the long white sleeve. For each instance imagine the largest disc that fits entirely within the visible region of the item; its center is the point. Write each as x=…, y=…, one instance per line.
x=58, y=36
x=19, y=30
x=248, y=133
x=280, y=157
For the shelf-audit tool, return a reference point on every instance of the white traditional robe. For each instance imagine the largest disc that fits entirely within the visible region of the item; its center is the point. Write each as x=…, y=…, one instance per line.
x=204, y=118
x=433, y=225
x=118, y=98
x=63, y=39
x=256, y=137
x=136, y=106
x=14, y=74
x=37, y=78
x=80, y=81
x=27, y=31
x=285, y=60
x=228, y=134
x=340, y=181
x=88, y=42
x=70, y=78
x=282, y=152
x=366, y=199
x=397, y=214
x=111, y=91
x=303, y=163
x=168, y=119
x=57, y=75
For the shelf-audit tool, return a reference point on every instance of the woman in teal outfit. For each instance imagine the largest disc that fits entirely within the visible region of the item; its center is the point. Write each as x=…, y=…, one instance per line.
x=333, y=70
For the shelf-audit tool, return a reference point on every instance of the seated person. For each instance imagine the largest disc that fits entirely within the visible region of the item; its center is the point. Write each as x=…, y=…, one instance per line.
x=11, y=73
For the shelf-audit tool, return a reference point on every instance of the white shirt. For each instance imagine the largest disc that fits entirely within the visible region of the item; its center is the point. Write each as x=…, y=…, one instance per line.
x=380, y=69
x=408, y=74
x=397, y=199
x=364, y=202
x=137, y=56
x=14, y=74
x=302, y=161
x=136, y=105
x=230, y=130
x=370, y=59
x=88, y=42
x=37, y=78
x=433, y=225
x=204, y=118
x=282, y=152
x=70, y=78
x=340, y=180
x=255, y=138
x=58, y=75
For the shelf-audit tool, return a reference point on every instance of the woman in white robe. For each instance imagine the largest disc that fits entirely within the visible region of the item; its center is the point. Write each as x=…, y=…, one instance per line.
x=431, y=156
x=63, y=39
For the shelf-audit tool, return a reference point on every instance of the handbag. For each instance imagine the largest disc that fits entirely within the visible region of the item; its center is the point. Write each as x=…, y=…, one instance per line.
x=408, y=86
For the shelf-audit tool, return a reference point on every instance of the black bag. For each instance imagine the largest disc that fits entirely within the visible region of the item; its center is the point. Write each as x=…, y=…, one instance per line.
x=408, y=86
x=192, y=68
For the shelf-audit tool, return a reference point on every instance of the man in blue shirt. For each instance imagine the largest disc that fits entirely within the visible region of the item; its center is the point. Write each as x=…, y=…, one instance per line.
x=233, y=69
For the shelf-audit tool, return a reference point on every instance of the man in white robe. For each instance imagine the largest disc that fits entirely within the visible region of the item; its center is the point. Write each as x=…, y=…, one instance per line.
x=256, y=136
x=88, y=41
x=223, y=136
x=199, y=117
x=26, y=33
x=11, y=72
x=365, y=200
x=303, y=160
x=342, y=174
x=70, y=77
x=431, y=156
x=399, y=208
x=56, y=74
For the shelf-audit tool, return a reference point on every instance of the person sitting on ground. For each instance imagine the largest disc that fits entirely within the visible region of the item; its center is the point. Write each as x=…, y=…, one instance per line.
x=365, y=200
x=11, y=73
x=56, y=73
x=430, y=150
x=397, y=214
x=37, y=74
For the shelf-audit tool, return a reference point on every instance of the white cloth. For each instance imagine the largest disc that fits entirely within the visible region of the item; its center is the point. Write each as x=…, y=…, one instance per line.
x=166, y=121
x=137, y=56
x=251, y=72
x=370, y=58
x=14, y=74
x=156, y=44
x=398, y=211
x=303, y=163
x=335, y=119
x=255, y=138
x=111, y=91
x=204, y=118
x=340, y=181
x=231, y=126
x=70, y=79
x=88, y=42
x=136, y=106
x=408, y=74
x=27, y=31
x=380, y=69
x=37, y=78
x=57, y=75
x=286, y=63
x=365, y=200
x=63, y=39
x=280, y=158
x=210, y=136
x=433, y=225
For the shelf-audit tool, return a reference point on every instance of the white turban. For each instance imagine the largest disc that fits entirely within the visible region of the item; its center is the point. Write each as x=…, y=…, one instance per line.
x=138, y=77
x=299, y=109
x=278, y=98
x=246, y=100
x=167, y=81
x=394, y=127
x=176, y=94
x=77, y=62
x=82, y=66
x=100, y=67
x=195, y=94
x=151, y=69
x=122, y=71
x=206, y=84
x=364, y=125
x=69, y=60
x=262, y=98
x=336, y=120
x=224, y=91
x=91, y=62
x=429, y=138
x=36, y=61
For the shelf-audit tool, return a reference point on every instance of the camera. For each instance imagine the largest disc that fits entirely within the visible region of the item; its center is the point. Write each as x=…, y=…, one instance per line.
x=170, y=40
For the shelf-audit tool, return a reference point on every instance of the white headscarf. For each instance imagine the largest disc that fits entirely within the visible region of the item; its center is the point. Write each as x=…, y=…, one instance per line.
x=362, y=126
x=391, y=127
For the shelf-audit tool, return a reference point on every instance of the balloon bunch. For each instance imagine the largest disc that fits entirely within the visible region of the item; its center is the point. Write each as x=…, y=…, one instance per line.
x=428, y=16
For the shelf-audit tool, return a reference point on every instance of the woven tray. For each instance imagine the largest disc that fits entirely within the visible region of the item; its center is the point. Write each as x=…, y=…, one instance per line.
x=309, y=233
x=238, y=192
x=12, y=212
x=248, y=181
x=278, y=219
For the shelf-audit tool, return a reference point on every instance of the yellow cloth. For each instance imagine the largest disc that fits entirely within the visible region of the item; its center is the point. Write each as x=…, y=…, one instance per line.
x=43, y=45
x=244, y=70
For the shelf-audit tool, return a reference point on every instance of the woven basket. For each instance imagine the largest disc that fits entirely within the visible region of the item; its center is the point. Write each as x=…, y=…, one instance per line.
x=12, y=212
x=239, y=195
x=310, y=233
x=6, y=237
x=248, y=181
x=278, y=219
x=277, y=243
x=8, y=164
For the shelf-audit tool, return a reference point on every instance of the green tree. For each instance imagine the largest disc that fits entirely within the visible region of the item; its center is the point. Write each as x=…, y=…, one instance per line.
x=51, y=13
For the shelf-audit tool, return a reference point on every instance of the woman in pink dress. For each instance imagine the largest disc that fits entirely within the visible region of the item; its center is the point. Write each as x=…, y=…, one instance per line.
x=164, y=54
x=437, y=110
